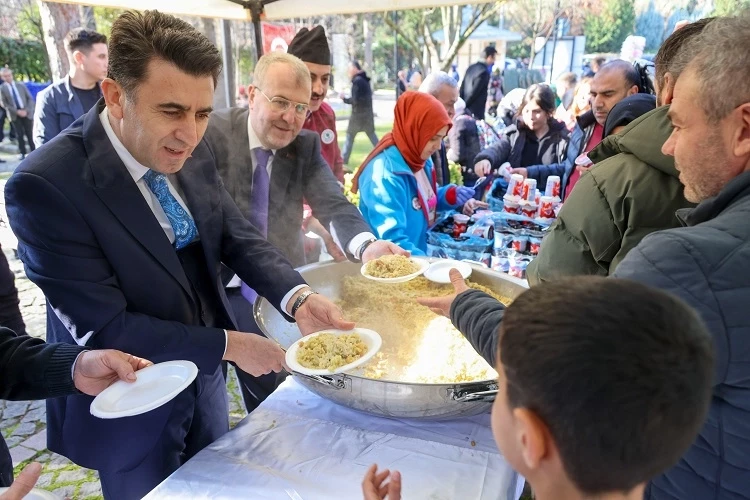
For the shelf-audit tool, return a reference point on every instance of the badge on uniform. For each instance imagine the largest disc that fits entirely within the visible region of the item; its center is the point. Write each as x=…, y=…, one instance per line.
x=327, y=136
x=415, y=203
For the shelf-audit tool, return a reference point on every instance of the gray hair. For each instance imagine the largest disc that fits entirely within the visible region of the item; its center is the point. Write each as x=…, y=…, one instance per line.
x=301, y=73
x=431, y=85
x=721, y=64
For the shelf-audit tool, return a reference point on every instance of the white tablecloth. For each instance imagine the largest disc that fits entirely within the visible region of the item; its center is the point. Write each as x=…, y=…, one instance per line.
x=300, y=446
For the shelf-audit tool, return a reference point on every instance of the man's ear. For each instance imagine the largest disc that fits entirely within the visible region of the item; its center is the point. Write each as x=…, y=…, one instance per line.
x=533, y=437
x=741, y=138
x=633, y=90
x=667, y=93
x=78, y=56
x=114, y=97
x=250, y=96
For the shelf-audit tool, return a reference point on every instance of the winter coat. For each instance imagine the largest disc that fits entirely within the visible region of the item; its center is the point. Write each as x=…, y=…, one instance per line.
x=513, y=140
x=632, y=190
x=361, y=100
x=474, y=88
x=389, y=200
x=707, y=264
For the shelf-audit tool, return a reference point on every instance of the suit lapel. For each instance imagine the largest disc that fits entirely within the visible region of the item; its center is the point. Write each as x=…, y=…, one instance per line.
x=241, y=172
x=284, y=163
x=116, y=189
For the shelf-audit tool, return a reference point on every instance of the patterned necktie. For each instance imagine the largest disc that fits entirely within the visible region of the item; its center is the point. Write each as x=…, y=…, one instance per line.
x=258, y=205
x=182, y=223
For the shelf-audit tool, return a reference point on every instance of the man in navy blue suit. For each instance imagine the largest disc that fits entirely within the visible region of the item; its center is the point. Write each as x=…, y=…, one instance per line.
x=123, y=222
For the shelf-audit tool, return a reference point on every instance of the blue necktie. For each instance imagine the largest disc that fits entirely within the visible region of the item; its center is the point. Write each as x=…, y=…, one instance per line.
x=258, y=205
x=182, y=223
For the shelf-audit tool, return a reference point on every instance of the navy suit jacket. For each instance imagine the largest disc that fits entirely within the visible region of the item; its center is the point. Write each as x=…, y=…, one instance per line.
x=57, y=107
x=89, y=240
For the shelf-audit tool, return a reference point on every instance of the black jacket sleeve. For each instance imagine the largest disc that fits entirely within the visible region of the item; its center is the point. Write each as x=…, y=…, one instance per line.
x=498, y=153
x=478, y=317
x=361, y=93
x=32, y=369
x=463, y=139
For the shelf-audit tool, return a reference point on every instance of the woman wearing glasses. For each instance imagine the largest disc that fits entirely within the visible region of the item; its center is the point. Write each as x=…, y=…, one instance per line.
x=399, y=196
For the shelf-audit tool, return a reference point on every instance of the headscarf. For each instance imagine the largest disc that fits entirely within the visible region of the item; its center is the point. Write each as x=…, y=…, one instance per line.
x=418, y=117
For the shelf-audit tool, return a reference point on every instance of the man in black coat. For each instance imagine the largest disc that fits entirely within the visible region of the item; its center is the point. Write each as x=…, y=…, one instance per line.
x=33, y=369
x=476, y=81
x=363, y=118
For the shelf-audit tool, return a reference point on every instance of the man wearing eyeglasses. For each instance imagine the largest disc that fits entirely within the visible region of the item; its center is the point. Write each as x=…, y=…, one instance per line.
x=270, y=165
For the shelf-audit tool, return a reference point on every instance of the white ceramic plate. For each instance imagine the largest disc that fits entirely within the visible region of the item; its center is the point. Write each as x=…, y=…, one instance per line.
x=369, y=337
x=422, y=263
x=438, y=270
x=154, y=386
x=36, y=494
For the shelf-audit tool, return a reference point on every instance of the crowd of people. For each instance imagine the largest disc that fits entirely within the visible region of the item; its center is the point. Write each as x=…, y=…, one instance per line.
x=631, y=383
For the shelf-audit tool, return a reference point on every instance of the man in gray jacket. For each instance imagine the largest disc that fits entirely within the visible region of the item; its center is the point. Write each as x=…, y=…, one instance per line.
x=18, y=104
x=706, y=263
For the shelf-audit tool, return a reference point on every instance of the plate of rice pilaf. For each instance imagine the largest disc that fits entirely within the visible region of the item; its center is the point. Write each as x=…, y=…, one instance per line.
x=333, y=351
x=394, y=268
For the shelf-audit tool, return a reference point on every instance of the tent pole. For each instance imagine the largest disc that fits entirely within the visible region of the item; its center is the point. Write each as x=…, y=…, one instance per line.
x=227, y=61
x=395, y=50
x=256, y=9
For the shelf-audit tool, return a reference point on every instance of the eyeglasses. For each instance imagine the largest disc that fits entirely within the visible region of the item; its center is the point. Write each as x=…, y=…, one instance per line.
x=282, y=105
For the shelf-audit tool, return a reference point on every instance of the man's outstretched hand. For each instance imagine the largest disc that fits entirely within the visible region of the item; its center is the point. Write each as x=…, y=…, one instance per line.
x=98, y=369
x=442, y=305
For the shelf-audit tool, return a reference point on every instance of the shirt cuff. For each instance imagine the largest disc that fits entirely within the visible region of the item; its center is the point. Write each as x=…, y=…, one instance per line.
x=73, y=366
x=226, y=344
x=288, y=297
x=357, y=242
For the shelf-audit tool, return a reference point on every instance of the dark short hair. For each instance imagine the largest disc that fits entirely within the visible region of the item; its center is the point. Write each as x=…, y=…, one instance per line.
x=542, y=95
x=137, y=38
x=83, y=40
x=356, y=64
x=489, y=51
x=621, y=374
x=673, y=46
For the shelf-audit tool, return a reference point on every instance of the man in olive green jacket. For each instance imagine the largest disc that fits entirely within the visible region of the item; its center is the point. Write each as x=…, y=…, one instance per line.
x=632, y=190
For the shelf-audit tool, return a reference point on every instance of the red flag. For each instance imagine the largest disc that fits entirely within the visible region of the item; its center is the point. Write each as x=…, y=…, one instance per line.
x=276, y=36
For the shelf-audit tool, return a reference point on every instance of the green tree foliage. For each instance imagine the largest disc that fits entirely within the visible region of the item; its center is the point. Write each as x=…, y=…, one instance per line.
x=27, y=59
x=606, y=31
x=650, y=25
x=730, y=7
x=104, y=17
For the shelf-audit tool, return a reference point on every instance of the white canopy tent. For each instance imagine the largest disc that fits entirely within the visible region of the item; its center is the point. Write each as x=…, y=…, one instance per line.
x=269, y=10
x=266, y=10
